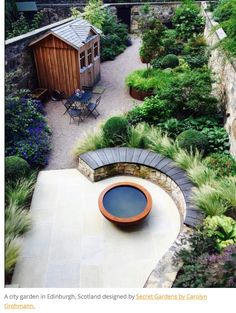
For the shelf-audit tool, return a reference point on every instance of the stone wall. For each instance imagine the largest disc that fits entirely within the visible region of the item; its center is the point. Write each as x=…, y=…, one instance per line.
x=142, y=171
x=18, y=55
x=225, y=73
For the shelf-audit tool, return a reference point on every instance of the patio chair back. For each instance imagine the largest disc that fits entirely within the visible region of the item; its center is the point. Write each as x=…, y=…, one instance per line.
x=92, y=108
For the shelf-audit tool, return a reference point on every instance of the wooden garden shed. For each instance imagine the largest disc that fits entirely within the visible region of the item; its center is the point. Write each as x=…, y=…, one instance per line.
x=68, y=57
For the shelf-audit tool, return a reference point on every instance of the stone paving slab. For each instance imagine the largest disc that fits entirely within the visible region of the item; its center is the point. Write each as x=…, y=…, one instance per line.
x=72, y=245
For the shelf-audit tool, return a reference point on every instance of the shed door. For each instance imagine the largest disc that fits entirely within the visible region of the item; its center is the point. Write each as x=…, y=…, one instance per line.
x=57, y=65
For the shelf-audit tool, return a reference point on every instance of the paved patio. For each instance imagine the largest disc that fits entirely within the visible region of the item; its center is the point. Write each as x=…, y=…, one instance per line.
x=72, y=245
x=115, y=100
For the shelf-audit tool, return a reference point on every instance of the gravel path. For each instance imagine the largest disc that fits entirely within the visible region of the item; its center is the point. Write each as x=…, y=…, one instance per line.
x=115, y=100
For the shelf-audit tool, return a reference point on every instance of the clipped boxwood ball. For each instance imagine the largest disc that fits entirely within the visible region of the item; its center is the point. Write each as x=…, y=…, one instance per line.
x=115, y=131
x=192, y=139
x=16, y=167
x=169, y=61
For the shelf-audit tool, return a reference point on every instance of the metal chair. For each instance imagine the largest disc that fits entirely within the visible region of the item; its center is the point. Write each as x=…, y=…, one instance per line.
x=73, y=112
x=92, y=108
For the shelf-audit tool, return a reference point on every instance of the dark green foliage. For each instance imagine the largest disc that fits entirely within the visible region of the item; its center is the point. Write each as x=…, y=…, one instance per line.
x=170, y=42
x=191, y=140
x=114, y=38
x=187, y=20
x=174, y=127
x=115, y=131
x=196, y=61
x=225, y=13
x=222, y=164
x=16, y=167
x=168, y=61
x=190, y=94
x=204, y=266
x=218, y=139
x=22, y=26
x=152, y=111
x=224, y=10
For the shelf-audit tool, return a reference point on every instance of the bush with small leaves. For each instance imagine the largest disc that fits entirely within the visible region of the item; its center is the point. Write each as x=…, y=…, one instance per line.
x=192, y=140
x=16, y=167
x=222, y=164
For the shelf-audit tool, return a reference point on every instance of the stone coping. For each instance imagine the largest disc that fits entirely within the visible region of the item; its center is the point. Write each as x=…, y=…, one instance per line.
x=93, y=163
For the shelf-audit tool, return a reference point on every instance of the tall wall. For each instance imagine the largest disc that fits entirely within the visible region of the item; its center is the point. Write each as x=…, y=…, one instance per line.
x=225, y=74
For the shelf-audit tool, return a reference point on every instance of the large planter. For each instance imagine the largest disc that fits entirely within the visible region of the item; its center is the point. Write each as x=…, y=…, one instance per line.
x=139, y=94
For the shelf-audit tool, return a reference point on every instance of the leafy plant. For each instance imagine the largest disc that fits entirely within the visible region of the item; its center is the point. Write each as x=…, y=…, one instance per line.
x=218, y=139
x=115, y=131
x=94, y=13
x=92, y=141
x=152, y=110
x=192, y=140
x=189, y=93
x=209, y=200
x=114, y=38
x=222, y=228
x=203, y=266
x=227, y=191
x=188, y=21
x=16, y=167
x=222, y=164
x=196, y=61
x=167, y=61
x=168, y=37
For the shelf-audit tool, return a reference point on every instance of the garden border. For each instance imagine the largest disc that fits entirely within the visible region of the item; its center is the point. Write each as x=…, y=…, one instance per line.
x=107, y=162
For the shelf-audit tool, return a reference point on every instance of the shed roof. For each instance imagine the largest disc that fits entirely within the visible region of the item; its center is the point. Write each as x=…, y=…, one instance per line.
x=75, y=33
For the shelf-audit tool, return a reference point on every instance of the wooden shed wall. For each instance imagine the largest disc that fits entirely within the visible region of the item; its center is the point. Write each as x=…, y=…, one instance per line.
x=57, y=65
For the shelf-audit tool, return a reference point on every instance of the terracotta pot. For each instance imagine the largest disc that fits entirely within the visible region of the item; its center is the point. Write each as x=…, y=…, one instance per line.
x=139, y=94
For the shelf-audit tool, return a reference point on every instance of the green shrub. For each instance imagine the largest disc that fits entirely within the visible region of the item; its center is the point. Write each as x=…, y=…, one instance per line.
x=224, y=10
x=203, y=266
x=170, y=60
x=12, y=251
x=17, y=221
x=153, y=110
x=222, y=164
x=188, y=21
x=222, y=228
x=218, y=139
x=190, y=94
x=92, y=141
x=174, y=127
x=168, y=37
x=196, y=61
x=115, y=131
x=208, y=199
x=192, y=140
x=16, y=167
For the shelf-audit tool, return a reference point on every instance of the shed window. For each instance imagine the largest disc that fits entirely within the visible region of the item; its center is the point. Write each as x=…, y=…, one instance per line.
x=89, y=56
x=82, y=60
x=95, y=49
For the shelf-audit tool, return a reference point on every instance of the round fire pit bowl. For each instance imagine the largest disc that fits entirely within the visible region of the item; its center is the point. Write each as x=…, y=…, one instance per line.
x=125, y=203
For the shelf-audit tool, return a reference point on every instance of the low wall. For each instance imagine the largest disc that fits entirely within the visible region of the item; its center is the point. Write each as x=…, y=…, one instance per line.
x=225, y=74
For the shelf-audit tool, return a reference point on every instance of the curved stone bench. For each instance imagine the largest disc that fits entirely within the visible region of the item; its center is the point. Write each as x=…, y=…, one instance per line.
x=107, y=162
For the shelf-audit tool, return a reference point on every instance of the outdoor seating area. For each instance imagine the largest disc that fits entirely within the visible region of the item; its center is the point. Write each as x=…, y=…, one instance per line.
x=80, y=105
